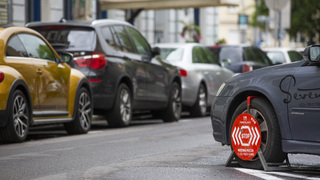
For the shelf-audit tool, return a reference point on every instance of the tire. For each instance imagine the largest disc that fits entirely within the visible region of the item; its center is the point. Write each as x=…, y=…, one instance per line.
x=19, y=116
x=83, y=114
x=173, y=111
x=121, y=114
x=200, y=107
x=270, y=145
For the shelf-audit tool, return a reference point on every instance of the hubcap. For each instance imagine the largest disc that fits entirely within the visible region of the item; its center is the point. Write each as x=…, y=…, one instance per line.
x=176, y=103
x=85, y=110
x=20, y=116
x=125, y=105
x=202, y=100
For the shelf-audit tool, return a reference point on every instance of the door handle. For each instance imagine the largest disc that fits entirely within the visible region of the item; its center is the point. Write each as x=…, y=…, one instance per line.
x=39, y=72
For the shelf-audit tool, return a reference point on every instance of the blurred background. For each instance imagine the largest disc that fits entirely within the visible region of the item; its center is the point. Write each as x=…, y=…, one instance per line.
x=263, y=23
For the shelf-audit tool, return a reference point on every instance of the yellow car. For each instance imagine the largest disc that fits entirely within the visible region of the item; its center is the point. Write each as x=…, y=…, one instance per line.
x=37, y=87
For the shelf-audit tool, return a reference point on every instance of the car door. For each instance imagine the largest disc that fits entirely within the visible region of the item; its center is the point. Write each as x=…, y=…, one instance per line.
x=52, y=78
x=157, y=75
x=133, y=64
x=304, y=104
x=209, y=71
x=17, y=57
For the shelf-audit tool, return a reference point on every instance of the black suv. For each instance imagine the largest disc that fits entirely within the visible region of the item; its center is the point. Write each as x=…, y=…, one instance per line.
x=241, y=58
x=126, y=74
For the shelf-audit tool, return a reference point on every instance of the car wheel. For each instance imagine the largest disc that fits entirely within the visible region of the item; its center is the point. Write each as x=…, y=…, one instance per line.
x=270, y=145
x=19, y=117
x=173, y=110
x=83, y=114
x=121, y=114
x=200, y=107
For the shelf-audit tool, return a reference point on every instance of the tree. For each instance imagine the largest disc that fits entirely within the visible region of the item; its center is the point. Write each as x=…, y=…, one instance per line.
x=305, y=18
x=190, y=32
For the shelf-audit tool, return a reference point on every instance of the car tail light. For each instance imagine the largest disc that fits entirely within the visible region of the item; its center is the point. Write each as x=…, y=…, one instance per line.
x=95, y=80
x=1, y=77
x=246, y=68
x=183, y=73
x=94, y=61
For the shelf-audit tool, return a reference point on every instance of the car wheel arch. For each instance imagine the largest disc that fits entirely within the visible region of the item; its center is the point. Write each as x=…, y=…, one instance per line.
x=19, y=84
x=237, y=100
x=126, y=80
x=83, y=83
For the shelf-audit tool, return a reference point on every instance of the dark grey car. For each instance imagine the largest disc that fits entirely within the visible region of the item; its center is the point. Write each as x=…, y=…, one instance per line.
x=241, y=58
x=125, y=73
x=286, y=106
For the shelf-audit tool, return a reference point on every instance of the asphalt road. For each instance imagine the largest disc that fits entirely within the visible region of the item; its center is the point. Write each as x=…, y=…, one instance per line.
x=147, y=149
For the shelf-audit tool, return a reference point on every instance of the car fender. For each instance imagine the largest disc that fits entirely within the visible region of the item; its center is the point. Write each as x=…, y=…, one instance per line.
x=13, y=80
x=270, y=91
x=77, y=80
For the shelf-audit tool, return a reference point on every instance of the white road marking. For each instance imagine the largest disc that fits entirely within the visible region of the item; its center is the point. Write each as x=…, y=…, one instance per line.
x=258, y=173
x=272, y=175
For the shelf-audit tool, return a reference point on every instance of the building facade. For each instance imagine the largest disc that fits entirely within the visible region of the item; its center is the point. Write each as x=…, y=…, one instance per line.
x=158, y=26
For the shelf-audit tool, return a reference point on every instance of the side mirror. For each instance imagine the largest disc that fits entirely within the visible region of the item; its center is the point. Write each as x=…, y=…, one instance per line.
x=155, y=51
x=65, y=57
x=226, y=62
x=312, y=53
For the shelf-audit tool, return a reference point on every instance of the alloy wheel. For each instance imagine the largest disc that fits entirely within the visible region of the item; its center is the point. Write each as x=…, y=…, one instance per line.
x=125, y=105
x=20, y=116
x=202, y=99
x=176, y=103
x=263, y=127
x=85, y=110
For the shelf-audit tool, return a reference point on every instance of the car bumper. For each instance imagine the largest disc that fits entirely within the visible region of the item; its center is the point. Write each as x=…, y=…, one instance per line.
x=218, y=114
x=189, y=92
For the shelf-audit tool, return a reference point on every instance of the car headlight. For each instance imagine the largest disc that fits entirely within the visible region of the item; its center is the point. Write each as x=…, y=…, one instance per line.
x=220, y=88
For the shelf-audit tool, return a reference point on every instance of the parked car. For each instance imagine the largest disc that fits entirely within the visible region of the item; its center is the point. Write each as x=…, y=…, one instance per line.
x=283, y=55
x=286, y=106
x=125, y=73
x=38, y=88
x=201, y=74
x=241, y=58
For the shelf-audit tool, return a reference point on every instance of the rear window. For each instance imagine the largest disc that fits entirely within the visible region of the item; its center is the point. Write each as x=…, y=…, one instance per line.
x=234, y=54
x=171, y=54
x=70, y=38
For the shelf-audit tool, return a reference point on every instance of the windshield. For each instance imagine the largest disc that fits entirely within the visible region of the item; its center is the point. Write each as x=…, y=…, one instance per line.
x=234, y=54
x=75, y=38
x=276, y=57
x=171, y=54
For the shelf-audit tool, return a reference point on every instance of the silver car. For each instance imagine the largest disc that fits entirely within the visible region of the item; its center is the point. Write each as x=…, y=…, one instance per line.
x=201, y=74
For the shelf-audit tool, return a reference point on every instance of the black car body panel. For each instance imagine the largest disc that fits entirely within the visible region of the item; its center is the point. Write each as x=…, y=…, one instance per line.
x=149, y=77
x=294, y=92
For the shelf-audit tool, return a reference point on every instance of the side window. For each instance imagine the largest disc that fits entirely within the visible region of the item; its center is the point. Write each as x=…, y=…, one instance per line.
x=295, y=56
x=210, y=57
x=124, y=39
x=15, y=48
x=139, y=41
x=249, y=54
x=262, y=57
x=36, y=47
x=110, y=39
x=197, y=55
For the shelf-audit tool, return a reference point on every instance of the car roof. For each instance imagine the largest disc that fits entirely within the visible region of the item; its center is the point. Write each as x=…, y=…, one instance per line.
x=225, y=45
x=282, y=49
x=100, y=22
x=176, y=45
